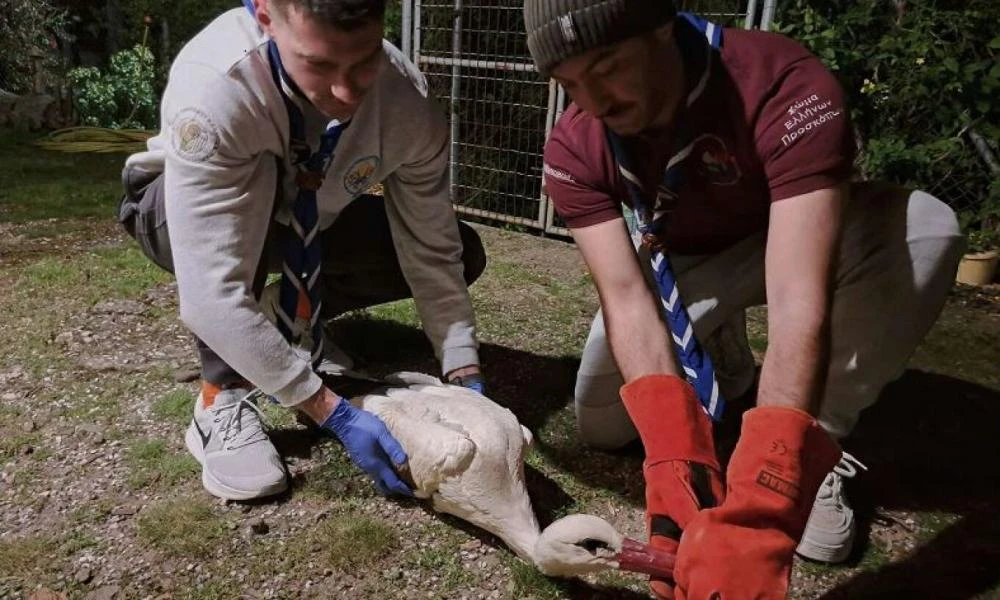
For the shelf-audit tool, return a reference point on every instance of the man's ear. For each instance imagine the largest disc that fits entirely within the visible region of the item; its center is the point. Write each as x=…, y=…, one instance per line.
x=262, y=10
x=663, y=33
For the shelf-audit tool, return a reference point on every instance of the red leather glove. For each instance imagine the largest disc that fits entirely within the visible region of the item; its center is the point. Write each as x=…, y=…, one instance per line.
x=681, y=469
x=743, y=549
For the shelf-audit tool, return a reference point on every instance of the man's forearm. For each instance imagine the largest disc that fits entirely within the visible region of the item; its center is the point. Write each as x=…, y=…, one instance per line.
x=794, y=368
x=801, y=246
x=639, y=340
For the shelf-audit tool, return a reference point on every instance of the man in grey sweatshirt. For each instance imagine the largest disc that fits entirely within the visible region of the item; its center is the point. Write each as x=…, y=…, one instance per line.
x=276, y=121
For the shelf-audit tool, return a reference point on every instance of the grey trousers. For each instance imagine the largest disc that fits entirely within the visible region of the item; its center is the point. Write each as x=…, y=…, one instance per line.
x=898, y=255
x=359, y=264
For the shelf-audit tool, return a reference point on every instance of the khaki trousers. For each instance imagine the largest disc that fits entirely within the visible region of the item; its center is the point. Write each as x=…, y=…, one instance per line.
x=897, y=260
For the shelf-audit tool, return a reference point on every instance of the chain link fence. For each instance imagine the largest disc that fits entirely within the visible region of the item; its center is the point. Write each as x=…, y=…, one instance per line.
x=962, y=177
x=476, y=60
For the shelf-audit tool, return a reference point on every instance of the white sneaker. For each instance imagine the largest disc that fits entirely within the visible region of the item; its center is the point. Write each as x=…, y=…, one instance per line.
x=829, y=533
x=334, y=362
x=238, y=460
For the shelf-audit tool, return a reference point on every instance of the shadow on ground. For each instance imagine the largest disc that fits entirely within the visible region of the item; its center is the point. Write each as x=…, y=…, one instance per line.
x=532, y=386
x=932, y=443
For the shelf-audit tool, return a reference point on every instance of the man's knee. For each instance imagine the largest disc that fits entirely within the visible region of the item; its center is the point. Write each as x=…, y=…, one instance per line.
x=473, y=253
x=930, y=218
x=143, y=215
x=601, y=418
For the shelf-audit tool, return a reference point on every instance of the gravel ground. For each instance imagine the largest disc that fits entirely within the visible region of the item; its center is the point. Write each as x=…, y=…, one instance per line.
x=99, y=499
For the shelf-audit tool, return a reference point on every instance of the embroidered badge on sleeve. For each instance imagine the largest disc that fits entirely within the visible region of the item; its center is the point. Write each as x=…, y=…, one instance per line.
x=194, y=136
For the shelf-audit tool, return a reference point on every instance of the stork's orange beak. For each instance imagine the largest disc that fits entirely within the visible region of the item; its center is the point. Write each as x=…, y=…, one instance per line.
x=639, y=557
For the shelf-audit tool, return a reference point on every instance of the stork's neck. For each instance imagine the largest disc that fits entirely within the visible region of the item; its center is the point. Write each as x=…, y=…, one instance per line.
x=519, y=537
x=513, y=522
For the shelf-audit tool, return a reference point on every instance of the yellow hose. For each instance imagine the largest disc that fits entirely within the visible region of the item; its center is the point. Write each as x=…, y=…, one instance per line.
x=96, y=139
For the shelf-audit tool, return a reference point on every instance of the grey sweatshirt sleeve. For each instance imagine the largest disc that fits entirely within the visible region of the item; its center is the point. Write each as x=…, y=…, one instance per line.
x=425, y=234
x=220, y=183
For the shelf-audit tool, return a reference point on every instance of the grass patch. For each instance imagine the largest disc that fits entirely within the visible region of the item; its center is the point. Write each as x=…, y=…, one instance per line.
x=176, y=406
x=36, y=184
x=336, y=478
x=277, y=416
x=26, y=554
x=930, y=524
x=77, y=541
x=875, y=557
x=511, y=300
x=182, y=527
x=212, y=590
x=401, y=311
x=352, y=541
x=815, y=569
x=445, y=564
x=15, y=445
x=92, y=512
x=528, y=582
x=58, y=228
x=962, y=344
x=151, y=461
x=47, y=291
x=99, y=398
x=102, y=274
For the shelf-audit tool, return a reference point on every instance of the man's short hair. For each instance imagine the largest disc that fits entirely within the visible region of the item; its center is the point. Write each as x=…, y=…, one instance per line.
x=342, y=14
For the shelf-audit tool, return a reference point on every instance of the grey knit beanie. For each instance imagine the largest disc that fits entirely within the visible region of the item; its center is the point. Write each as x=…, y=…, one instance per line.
x=560, y=29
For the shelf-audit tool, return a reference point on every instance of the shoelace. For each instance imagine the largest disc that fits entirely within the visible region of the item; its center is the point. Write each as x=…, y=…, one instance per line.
x=848, y=466
x=832, y=487
x=244, y=434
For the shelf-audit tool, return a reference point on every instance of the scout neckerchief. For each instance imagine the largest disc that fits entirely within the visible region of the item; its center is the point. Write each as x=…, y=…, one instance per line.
x=300, y=270
x=694, y=360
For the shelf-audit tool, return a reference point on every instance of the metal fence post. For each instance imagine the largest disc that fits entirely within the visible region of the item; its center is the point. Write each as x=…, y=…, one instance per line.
x=456, y=56
x=407, y=26
x=416, y=33
x=751, y=14
x=767, y=16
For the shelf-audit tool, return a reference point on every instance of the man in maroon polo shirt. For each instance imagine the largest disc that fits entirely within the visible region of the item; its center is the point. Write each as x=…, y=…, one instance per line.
x=732, y=150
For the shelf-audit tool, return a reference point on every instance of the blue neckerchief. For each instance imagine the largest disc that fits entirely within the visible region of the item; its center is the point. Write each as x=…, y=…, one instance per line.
x=696, y=39
x=301, y=246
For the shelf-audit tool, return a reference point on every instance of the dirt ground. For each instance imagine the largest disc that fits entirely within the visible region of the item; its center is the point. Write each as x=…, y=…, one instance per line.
x=99, y=499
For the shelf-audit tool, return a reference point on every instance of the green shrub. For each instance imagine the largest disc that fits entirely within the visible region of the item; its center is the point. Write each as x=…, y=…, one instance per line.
x=27, y=27
x=918, y=76
x=123, y=97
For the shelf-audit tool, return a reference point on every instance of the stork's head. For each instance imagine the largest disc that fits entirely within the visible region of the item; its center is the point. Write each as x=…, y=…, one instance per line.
x=580, y=544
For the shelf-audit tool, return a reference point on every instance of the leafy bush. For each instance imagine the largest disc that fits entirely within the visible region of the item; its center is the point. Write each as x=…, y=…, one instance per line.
x=27, y=27
x=918, y=76
x=982, y=240
x=394, y=22
x=121, y=98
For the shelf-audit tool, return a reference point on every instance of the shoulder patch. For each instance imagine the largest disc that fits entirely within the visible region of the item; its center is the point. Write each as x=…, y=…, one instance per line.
x=193, y=135
x=361, y=175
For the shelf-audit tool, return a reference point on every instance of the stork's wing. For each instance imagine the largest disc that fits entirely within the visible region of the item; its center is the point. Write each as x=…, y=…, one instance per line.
x=436, y=449
x=408, y=378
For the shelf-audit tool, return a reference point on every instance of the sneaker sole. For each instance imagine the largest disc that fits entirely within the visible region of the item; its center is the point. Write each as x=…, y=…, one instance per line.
x=832, y=555
x=217, y=488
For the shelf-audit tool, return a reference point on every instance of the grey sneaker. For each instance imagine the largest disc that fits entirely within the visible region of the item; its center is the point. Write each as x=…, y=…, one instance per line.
x=238, y=460
x=829, y=533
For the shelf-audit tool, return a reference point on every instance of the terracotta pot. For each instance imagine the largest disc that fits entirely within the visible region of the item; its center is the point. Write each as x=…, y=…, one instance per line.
x=979, y=268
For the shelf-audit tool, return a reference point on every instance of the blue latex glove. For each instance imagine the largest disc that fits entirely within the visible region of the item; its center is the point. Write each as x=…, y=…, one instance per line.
x=472, y=381
x=370, y=446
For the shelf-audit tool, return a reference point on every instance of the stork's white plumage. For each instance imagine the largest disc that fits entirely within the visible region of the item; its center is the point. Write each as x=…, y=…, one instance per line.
x=466, y=454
